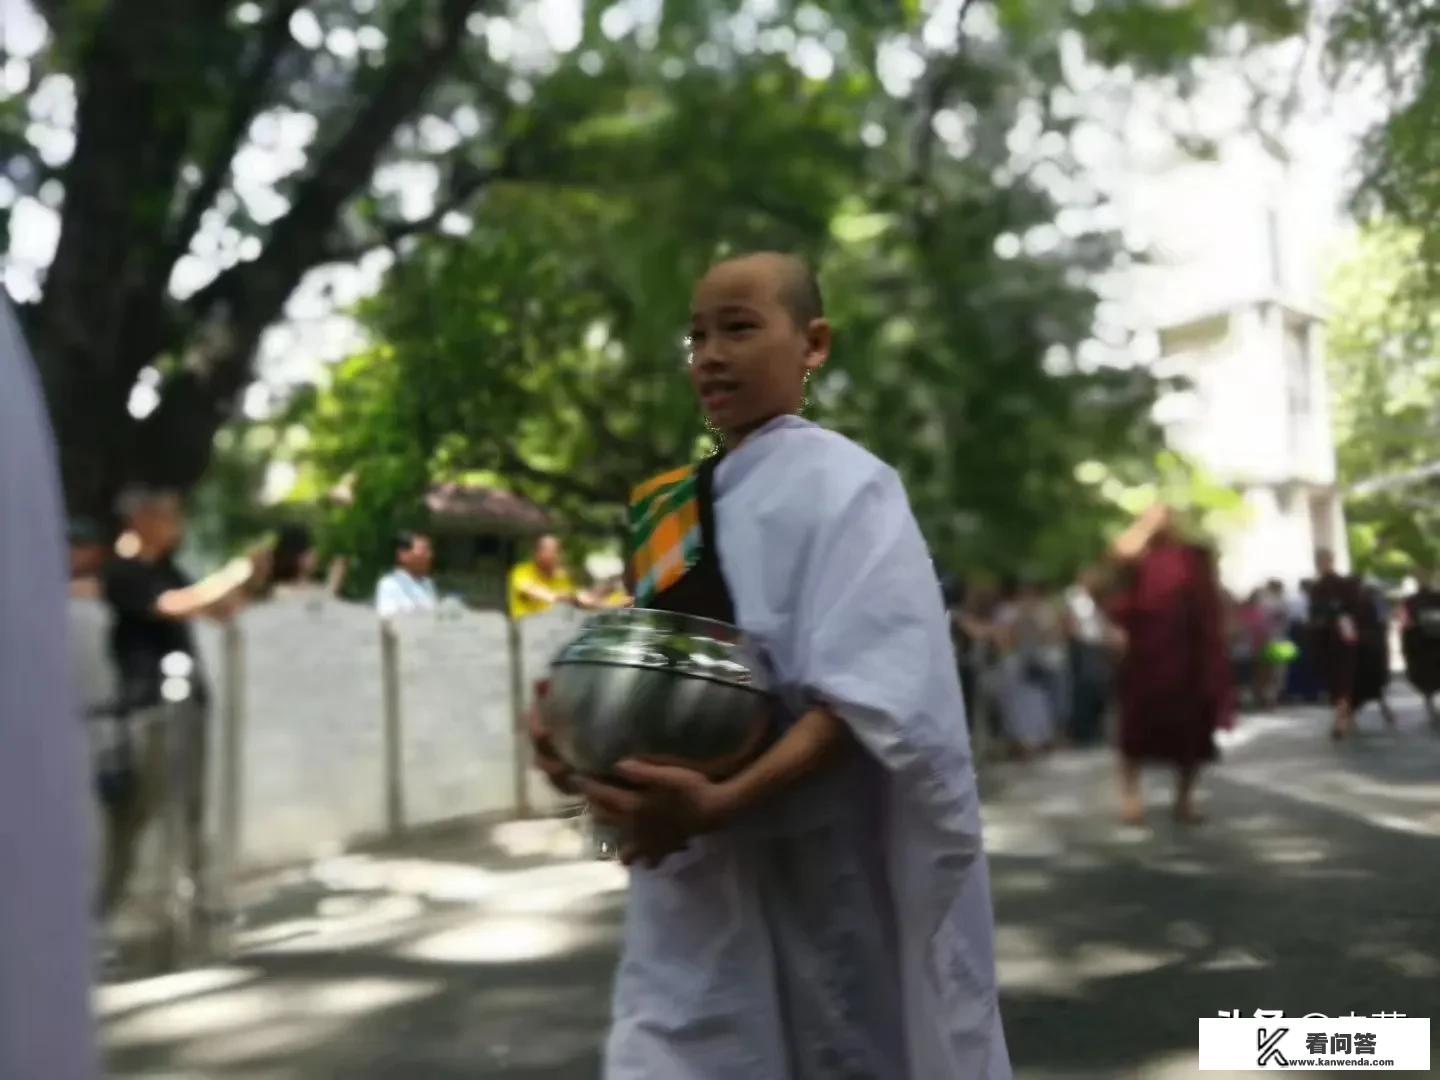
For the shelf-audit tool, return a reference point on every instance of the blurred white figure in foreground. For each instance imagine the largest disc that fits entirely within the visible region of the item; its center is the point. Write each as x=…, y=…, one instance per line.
x=45, y=944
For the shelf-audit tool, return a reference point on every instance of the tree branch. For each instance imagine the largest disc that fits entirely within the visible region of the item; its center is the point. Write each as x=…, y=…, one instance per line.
x=274, y=38
x=939, y=77
x=467, y=184
x=253, y=293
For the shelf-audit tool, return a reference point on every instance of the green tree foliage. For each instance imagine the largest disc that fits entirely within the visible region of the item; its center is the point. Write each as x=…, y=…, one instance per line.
x=1385, y=369
x=544, y=347
x=1395, y=44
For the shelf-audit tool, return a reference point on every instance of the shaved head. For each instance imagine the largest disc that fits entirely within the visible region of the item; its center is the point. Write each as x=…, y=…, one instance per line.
x=757, y=333
x=795, y=283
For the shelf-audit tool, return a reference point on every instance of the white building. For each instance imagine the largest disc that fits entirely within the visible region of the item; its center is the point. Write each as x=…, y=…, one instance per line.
x=1233, y=298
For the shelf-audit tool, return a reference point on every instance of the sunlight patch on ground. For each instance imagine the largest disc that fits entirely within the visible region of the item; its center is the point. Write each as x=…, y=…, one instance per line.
x=1069, y=977
x=554, y=889
x=147, y=993
x=377, y=921
x=1028, y=961
x=277, y=1017
x=440, y=881
x=1179, y=1065
x=365, y=994
x=543, y=888
x=1330, y=793
x=1290, y=850
x=204, y=1016
x=543, y=837
x=1254, y=728
x=1407, y=962
x=1369, y=787
x=1233, y=959
x=1021, y=839
x=496, y=941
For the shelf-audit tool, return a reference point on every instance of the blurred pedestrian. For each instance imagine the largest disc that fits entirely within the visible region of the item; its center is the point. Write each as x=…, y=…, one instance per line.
x=296, y=566
x=1175, y=686
x=1302, y=680
x=1348, y=641
x=543, y=582
x=1279, y=651
x=408, y=588
x=954, y=593
x=975, y=618
x=1372, y=657
x=1091, y=658
x=1030, y=634
x=1419, y=620
x=97, y=683
x=1249, y=634
x=46, y=1026
x=89, y=621
x=164, y=697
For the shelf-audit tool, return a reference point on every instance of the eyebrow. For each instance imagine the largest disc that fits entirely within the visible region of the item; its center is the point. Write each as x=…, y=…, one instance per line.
x=731, y=309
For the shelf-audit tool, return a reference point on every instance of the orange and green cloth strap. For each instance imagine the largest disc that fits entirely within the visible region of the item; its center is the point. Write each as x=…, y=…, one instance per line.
x=666, y=539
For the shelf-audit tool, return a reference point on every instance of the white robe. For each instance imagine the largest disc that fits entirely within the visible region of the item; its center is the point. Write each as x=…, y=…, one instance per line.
x=844, y=930
x=45, y=929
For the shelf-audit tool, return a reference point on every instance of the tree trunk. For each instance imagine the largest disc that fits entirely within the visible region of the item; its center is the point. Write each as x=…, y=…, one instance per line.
x=107, y=312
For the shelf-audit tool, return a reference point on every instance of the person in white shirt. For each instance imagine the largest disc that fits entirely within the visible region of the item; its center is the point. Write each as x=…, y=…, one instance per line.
x=408, y=588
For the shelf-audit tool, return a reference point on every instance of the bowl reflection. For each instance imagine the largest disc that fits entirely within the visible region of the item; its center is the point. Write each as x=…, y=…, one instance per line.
x=654, y=684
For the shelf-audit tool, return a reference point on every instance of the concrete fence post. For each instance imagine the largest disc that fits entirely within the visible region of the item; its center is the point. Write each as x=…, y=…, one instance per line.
x=230, y=797
x=519, y=698
x=394, y=746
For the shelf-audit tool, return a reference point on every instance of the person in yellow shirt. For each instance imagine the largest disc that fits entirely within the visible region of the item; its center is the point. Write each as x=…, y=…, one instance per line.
x=538, y=585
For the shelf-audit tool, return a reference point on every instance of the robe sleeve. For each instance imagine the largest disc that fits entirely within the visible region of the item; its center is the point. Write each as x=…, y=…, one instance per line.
x=875, y=647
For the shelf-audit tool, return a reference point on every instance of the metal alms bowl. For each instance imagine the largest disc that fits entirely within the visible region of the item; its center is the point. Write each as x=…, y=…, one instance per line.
x=654, y=684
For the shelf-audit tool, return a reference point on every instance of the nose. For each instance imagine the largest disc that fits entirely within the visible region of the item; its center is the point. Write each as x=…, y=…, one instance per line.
x=706, y=356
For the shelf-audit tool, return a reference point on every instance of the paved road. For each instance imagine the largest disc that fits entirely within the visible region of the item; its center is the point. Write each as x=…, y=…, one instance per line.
x=1313, y=889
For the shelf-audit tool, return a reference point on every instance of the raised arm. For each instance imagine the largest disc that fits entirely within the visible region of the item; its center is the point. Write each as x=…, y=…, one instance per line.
x=1131, y=543
x=211, y=594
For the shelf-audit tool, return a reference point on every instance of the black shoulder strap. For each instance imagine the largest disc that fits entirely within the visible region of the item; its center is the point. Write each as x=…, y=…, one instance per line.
x=705, y=495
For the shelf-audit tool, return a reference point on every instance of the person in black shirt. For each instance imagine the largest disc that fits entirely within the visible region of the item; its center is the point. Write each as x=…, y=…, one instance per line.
x=162, y=690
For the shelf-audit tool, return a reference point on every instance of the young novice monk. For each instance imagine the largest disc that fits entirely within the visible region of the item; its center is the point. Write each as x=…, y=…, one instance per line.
x=826, y=912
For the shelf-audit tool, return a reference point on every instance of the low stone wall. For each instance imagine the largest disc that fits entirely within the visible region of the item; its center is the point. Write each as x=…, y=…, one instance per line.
x=331, y=728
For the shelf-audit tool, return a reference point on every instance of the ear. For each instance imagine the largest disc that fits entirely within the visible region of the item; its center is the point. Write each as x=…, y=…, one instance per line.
x=817, y=344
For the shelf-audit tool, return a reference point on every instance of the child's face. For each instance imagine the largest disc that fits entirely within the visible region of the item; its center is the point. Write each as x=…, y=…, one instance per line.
x=748, y=358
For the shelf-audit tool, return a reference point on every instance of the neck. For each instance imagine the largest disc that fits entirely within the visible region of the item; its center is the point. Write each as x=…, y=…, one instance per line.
x=734, y=437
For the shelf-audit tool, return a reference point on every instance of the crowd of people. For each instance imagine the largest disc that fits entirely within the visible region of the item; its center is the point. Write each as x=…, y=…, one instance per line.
x=1045, y=667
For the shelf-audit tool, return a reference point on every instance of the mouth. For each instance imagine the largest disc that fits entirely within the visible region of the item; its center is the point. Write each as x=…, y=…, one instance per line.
x=716, y=393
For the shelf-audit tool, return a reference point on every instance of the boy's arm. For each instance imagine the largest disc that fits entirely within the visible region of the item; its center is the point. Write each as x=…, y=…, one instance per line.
x=671, y=804
x=802, y=750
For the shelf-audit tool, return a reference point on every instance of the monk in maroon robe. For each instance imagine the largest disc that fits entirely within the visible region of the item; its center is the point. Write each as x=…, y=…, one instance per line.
x=1174, y=684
